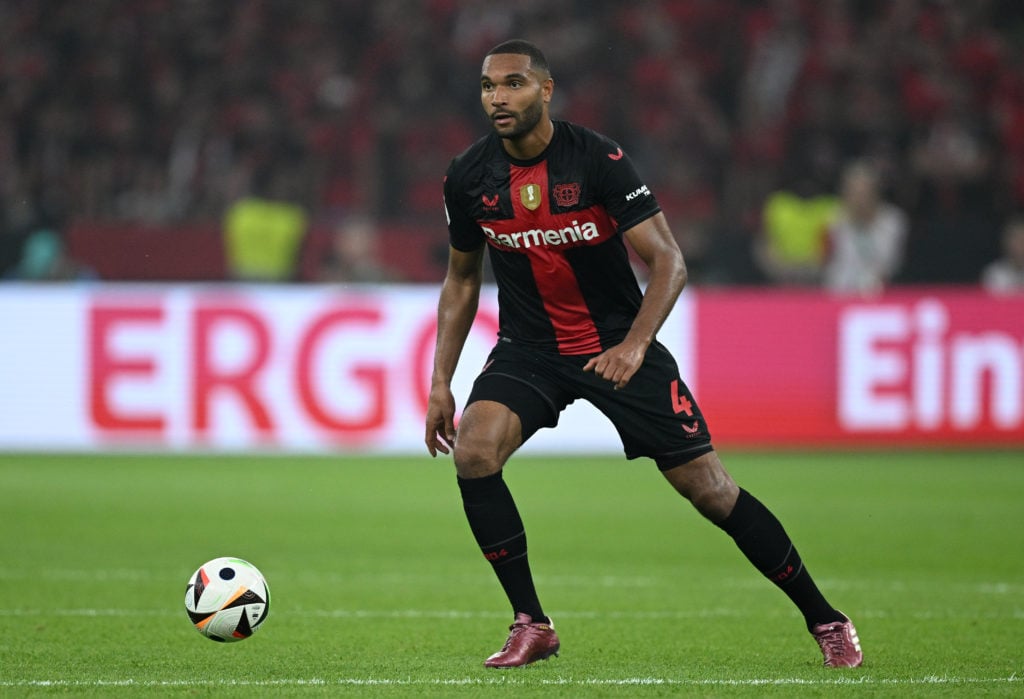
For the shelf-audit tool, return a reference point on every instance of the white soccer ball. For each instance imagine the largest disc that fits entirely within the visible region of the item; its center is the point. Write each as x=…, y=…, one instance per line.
x=227, y=599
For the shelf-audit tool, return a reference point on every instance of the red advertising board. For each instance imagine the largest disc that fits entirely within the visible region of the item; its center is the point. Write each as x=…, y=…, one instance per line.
x=920, y=368
x=330, y=368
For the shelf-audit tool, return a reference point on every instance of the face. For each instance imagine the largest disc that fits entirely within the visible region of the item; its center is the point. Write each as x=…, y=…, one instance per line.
x=514, y=96
x=860, y=192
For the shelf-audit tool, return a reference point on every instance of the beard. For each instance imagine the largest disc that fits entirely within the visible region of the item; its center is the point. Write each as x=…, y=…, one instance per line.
x=522, y=122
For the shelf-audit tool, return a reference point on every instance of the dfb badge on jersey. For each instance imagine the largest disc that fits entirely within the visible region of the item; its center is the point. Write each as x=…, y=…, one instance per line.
x=529, y=194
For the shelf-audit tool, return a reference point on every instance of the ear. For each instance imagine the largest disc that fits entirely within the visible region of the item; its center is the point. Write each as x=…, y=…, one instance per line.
x=547, y=88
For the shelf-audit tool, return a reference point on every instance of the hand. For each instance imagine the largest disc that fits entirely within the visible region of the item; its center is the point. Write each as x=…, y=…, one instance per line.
x=440, y=421
x=618, y=364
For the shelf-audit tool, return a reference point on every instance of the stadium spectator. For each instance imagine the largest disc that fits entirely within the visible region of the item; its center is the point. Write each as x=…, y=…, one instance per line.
x=952, y=164
x=44, y=258
x=1006, y=275
x=352, y=255
x=263, y=233
x=791, y=248
x=866, y=239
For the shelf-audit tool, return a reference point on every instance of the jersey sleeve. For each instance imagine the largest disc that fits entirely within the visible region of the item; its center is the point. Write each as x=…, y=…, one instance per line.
x=624, y=194
x=464, y=233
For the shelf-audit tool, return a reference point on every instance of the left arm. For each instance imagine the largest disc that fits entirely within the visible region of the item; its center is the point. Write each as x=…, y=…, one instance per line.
x=652, y=239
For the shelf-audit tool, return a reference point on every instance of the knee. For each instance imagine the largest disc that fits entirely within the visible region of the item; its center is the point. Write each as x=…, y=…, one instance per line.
x=475, y=459
x=707, y=485
x=715, y=503
x=487, y=436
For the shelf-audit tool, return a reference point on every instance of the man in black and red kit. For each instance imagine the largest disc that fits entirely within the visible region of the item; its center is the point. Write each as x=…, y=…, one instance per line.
x=556, y=204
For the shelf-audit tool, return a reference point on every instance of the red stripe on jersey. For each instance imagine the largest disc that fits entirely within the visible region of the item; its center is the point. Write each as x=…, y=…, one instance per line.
x=556, y=281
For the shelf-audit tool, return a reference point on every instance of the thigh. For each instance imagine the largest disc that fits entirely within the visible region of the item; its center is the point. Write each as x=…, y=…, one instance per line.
x=655, y=414
x=523, y=383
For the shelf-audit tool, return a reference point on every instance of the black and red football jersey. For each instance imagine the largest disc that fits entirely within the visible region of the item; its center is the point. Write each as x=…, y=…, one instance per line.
x=553, y=225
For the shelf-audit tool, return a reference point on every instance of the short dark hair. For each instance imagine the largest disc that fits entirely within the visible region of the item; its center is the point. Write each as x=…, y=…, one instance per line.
x=521, y=47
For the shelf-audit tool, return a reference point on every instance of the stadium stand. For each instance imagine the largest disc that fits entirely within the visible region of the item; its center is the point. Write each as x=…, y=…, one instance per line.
x=132, y=127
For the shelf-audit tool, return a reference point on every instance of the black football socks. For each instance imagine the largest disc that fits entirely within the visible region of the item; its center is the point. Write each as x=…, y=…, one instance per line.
x=765, y=543
x=498, y=529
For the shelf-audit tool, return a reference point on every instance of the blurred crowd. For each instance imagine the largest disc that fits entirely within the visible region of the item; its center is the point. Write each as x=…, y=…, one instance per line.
x=846, y=143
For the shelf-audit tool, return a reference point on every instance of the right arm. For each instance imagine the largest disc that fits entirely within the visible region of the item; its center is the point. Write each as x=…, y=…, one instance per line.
x=456, y=309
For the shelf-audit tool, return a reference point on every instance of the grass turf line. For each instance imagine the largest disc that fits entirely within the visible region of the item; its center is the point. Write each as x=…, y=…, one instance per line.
x=378, y=589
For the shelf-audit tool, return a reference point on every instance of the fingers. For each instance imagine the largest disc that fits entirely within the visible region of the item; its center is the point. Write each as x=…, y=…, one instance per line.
x=439, y=446
x=615, y=370
x=440, y=437
x=440, y=421
x=436, y=443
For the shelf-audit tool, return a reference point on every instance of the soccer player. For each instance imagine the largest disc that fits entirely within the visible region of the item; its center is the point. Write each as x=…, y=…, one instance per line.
x=555, y=205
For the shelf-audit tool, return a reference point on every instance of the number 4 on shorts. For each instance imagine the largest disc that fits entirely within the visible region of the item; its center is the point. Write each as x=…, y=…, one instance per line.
x=680, y=403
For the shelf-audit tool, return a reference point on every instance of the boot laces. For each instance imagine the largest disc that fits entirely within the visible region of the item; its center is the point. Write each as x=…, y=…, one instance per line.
x=834, y=640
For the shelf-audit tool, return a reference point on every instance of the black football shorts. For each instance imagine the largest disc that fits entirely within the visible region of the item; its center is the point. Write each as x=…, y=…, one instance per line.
x=655, y=414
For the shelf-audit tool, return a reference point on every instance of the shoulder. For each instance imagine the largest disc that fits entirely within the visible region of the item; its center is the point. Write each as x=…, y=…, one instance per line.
x=484, y=150
x=598, y=158
x=894, y=215
x=995, y=277
x=580, y=137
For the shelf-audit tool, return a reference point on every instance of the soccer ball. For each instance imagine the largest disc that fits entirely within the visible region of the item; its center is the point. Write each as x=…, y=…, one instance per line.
x=227, y=599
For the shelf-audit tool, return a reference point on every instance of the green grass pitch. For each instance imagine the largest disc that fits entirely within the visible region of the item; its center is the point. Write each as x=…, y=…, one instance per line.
x=379, y=590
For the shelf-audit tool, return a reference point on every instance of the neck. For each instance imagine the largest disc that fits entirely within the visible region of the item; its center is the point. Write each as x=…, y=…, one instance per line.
x=530, y=145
